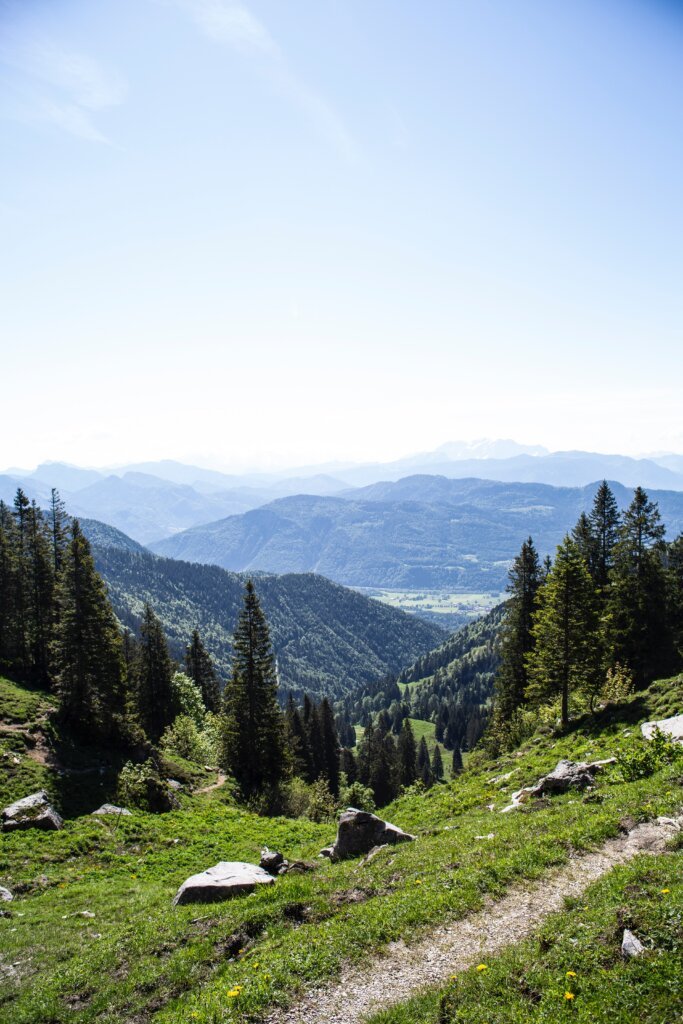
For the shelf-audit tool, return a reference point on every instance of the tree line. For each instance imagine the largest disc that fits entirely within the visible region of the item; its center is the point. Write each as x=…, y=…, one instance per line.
x=605, y=615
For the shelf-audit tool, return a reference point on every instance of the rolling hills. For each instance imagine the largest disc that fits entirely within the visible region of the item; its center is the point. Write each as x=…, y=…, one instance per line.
x=419, y=532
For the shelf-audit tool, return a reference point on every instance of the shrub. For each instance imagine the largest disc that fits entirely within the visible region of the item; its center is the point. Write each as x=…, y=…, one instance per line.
x=141, y=786
x=645, y=758
x=356, y=795
x=183, y=739
x=321, y=806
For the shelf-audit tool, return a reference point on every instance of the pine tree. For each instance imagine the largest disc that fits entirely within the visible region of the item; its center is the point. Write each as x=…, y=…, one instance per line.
x=636, y=602
x=424, y=764
x=58, y=520
x=437, y=764
x=41, y=576
x=567, y=653
x=675, y=597
x=604, y=520
x=517, y=638
x=587, y=543
x=330, y=746
x=407, y=754
x=457, y=766
x=153, y=678
x=87, y=649
x=253, y=747
x=8, y=592
x=199, y=667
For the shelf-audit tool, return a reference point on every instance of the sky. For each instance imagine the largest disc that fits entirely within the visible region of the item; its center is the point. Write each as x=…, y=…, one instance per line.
x=264, y=234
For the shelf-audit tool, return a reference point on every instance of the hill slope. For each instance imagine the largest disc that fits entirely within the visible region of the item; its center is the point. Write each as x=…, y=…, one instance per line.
x=421, y=532
x=328, y=639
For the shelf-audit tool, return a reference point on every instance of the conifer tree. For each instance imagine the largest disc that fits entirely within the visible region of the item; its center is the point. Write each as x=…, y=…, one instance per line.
x=437, y=764
x=407, y=754
x=675, y=596
x=87, y=648
x=424, y=764
x=586, y=542
x=330, y=746
x=637, y=594
x=253, y=748
x=58, y=522
x=153, y=678
x=8, y=591
x=517, y=638
x=457, y=766
x=348, y=765
x=41, y=576
x=199, y=667
x=604, y=521
x=567, y=653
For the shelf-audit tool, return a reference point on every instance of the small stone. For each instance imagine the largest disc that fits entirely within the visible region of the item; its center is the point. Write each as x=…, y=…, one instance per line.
x=34, y=811
x=271, y=861
x=221, y=882
x=631, y=946
x=112, y=809
x=174, y=784
x=5, y=895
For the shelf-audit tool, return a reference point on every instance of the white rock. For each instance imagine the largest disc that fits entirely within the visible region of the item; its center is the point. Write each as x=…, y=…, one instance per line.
x=111, y=809
x=33, y=811
x=5, y=895
x=222, y=881
x=672, y=727
x=631, y=946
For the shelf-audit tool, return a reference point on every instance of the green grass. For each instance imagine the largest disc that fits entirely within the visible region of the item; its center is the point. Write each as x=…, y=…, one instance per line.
x=577, y=953
x=178, y=964
x=18, y=704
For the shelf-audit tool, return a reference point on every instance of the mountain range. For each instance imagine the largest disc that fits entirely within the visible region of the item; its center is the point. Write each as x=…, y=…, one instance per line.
x=420, y=532
x=151, y=501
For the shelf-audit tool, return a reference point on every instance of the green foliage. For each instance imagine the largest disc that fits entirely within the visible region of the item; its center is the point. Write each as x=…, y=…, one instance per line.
x=184, y=739
x=355, y=794
x=186, y=698
x=141, y=786
x=645, y=757
x=321, y=805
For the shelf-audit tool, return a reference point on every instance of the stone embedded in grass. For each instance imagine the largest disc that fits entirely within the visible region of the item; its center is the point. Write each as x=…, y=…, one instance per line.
x=222, y=882
x=671, y=727
x=359, y=831
x=631, y=946
x=111, y=809
x=565, y=776
x=5, y=895
x=34, y=811
x=272, y=861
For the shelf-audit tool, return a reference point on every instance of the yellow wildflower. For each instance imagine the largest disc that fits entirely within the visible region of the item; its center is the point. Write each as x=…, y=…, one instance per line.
x=570, y=974
x=482, y=967
x=418, y=881
x=569, y=995
x=665, y=890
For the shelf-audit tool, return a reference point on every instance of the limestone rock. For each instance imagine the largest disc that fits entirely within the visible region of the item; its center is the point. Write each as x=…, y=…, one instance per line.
x=359, y=831
x=631, y=946
x=5, y=895
x=221, y=882
x=111, y=809
x=671, y=727
x=565, y=776
x=272, y=861
x=34, y=811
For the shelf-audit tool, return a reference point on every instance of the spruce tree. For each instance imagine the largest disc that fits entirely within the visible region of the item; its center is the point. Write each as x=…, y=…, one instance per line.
x=424, y=764
x=456, y=766
x=639, y=634
x=517, y=638
x=253, y=748
x=587, y=543
x=604, y=520
x=199, y=667
x=58, y=521
x=567, y=653
x=87, y=649
x=9, y=629
x=153, y=678
x=41, y=576
x=437, y=764
x=407, y=754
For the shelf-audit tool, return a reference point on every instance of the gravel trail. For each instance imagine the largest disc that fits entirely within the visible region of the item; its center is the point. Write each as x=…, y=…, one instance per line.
x=401, y=970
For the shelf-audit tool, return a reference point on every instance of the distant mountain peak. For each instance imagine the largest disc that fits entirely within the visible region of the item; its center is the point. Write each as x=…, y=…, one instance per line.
x=487, y=448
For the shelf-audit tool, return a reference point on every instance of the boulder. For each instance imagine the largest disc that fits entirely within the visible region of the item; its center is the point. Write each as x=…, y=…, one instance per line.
x=631, y=946
x=221, y=882
x=272, y=861
x=565, y=776
x=5, y=895
x=111, y=809
x=671, y=727
x=359, y=831
x=34, y=811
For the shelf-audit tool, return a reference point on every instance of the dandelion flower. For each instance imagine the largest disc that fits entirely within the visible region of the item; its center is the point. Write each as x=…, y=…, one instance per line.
x=418, y=881
x=482, y=967
x=453, y=977
x=570, y=974
x=665, y=890
x=569, y=995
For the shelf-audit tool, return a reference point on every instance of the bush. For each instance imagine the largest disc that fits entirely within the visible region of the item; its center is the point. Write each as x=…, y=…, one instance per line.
x=187, y=698
x=321, y=806
x=648, y=757
x=141, y=786
x=356, y=795
x=183, y=739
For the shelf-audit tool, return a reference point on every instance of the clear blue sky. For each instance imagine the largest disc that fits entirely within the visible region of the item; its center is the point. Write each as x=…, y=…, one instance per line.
x=285, y=232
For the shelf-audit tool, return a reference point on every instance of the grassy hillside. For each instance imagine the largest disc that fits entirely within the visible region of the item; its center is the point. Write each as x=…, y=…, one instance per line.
x=423, y=532
x=139, y=959
x=328, y=640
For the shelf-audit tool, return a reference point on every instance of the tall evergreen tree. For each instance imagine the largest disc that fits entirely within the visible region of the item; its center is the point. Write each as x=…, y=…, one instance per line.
x=636, y=603
x=517, y=638
x=567, y=654
x=457, y=765
x=199, y=667
x=253, y=747
x=437, y=764
x=9, y=629
x=604, y=520
x=424, y=764
x=58, y=522
x=330, y=746
x=587, y=543
x=153, y=678
x=41, y=575
x=675, y=597
x=87, y=649
x=407, y=754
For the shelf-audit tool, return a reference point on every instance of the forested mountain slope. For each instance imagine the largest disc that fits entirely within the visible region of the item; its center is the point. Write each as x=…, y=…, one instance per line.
x=328, y=640
x=423, y=531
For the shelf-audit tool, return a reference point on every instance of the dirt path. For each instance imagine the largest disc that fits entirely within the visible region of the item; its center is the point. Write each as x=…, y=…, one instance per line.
x=214, y=785
x=402, y=970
